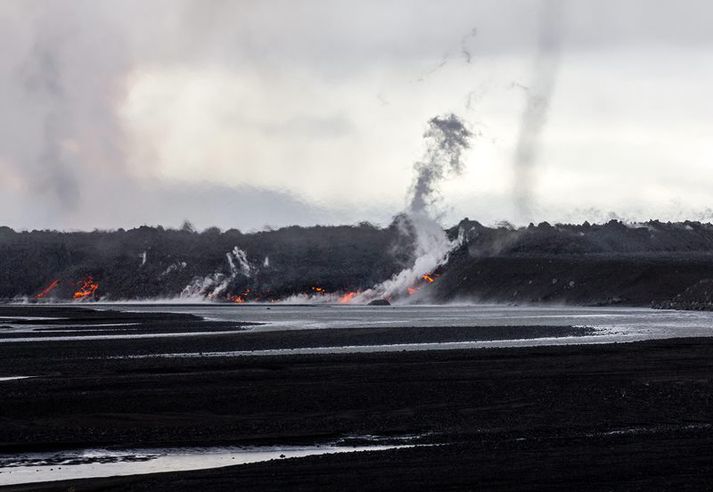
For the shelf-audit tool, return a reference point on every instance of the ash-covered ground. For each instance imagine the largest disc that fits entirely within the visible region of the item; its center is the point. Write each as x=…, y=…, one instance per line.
x=632, y=416
x=650, y=264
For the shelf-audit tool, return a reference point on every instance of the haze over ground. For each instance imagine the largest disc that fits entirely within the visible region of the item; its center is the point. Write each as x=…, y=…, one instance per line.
x=242, y=114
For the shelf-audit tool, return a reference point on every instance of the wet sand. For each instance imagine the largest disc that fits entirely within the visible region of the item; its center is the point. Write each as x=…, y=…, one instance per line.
x=626, y=416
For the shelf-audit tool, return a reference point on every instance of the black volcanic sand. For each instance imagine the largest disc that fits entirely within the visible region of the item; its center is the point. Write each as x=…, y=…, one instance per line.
x=627, y=416
x=84, y=321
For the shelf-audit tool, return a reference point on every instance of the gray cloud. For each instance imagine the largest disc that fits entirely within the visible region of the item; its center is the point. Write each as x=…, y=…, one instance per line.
x=67, y=69
x=334, y=126
x=112, y=204
x=61, y=86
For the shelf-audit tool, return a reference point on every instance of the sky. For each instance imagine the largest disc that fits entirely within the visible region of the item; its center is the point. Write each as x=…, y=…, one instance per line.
x=247, y=114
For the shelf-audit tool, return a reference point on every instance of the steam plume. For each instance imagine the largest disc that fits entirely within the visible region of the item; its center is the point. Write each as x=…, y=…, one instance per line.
x=215, y=285
x=538, y=101
x=446, y=139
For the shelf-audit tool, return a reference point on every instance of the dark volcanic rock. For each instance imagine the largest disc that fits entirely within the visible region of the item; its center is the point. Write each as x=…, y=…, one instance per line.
x=379, y=302
x=150, y=262
x=698, y=296
x=632, y=416
x=631, y=279
x=612, y=237
x=648, y=264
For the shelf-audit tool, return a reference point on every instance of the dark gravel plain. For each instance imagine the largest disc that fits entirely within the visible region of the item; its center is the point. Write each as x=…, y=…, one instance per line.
x=599, y=417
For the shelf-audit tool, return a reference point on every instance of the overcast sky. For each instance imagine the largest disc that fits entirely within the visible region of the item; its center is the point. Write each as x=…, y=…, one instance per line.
x=116, y=113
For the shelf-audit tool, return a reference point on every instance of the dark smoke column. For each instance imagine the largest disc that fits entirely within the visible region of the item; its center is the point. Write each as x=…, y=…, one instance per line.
x=446, y=139
x=538, y=101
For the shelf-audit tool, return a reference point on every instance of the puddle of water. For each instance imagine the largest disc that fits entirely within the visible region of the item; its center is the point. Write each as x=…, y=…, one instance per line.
x=96, y=463
x=652, y=430
x=394, y=347
x=80, y=327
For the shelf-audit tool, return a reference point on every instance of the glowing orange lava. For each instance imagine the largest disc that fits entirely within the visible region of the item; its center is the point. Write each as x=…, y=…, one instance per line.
x=319, y=290
x=45, y=292
x=240, y=298
x=428, y=278
x=347, y=298
x=88, y=288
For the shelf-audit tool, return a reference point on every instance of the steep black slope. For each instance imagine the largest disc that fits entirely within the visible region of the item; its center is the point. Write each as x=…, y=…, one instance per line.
x=651, y=264
x=647, y=279
x=152, y=261
x=655, y=263
x=612, y=237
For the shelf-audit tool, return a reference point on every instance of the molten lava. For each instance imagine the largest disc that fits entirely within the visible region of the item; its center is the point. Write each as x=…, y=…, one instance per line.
x=86, y=290
x=46, y=291
x=428, y=278
x=318, y=290
x=240, y=298
x=347, y=298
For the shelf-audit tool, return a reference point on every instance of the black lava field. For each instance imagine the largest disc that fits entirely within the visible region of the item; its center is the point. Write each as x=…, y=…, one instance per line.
x=650, y=264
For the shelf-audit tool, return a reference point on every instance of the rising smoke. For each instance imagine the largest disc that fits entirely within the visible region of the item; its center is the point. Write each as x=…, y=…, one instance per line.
x=446, y=138
x=71, y=113
x=537, y=104
x=463, y=50
x=68, y=157
x=216, y=285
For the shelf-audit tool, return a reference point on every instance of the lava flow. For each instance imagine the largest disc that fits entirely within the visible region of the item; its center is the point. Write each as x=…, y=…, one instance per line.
x=87, y=289
x=240, y=298
x=46, y=291
x=428, y=278
x=347, y=298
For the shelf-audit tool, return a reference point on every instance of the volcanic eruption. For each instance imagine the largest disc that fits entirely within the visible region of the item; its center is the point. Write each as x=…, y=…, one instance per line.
x=447, y=137
x=47, y=290
x=86, y=289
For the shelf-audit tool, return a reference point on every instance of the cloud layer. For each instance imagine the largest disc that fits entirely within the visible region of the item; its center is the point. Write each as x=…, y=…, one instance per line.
x=241, y=114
